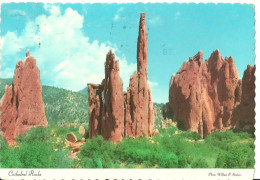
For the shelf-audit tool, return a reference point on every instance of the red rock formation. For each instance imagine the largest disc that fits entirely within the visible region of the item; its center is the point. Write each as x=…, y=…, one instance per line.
x=139, y=92
x=238, y=93
x=95, y=109
x=244, y=114
x=113, y=111
x=185, y=93
x=106, y=103
x=203, y=95
x=22, y=104
x=129, y=121
x=220, y=79
x=123, y=114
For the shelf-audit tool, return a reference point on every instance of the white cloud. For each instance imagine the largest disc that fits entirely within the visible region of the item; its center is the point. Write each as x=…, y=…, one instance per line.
x=64, y=55
x=52, y=9
x=6, y=73
x=10, y=44
x=61, y=66
x=117, y=15
x=153, y=84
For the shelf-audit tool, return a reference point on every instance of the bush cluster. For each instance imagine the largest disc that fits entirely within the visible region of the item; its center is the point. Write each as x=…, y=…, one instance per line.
x=35, y=149
x=45, y=148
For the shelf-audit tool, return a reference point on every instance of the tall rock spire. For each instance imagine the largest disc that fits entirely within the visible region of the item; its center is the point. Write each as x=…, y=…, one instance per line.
x=22, y=104
x=106, y=103
x=113, y=113
x=141, y=103
x=142, y=48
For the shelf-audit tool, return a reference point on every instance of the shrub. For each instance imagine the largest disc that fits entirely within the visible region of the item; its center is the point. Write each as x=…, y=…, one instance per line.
x=240, y=156
x=142, y=151
x=44, y=148
x=35, y=150
x=135, y=150
x=36, y=154
x=221, y=160
x=199, y=163
x=183, y=161
x=167, y=160
x=9, y=158
x=35, y=134
x=191, y=135
x=97, y=153
x=244, y=135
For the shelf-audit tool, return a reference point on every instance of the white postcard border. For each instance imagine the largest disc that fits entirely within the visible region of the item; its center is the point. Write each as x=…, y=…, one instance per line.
x=152, y=174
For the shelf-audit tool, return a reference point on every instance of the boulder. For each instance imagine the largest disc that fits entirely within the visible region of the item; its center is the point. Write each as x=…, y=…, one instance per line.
x=71, y=137
x=82, y=130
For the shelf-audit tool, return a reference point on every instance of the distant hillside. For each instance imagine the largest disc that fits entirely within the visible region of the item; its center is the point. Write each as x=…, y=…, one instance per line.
x=158, y=114
x=84, y=91
x=61, y=106
x=64, y=106
x=4, y=82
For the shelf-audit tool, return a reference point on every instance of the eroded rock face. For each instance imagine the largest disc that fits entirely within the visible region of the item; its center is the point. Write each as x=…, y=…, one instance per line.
x=114, y=113
x=185, y=93
x=22, y=104
x=244, y=113
x=95, y=109
x=203, y=95
x=140, y=101
x=129, y=129
x=106, y=103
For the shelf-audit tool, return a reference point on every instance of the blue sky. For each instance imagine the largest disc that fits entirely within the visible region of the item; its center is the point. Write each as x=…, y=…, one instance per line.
x=70, y=41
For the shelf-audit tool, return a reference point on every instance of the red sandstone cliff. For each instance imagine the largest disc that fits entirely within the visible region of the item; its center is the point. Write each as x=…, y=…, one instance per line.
x=185, y=93
x=244, y=113
x=204, y=96
x=22, y=104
